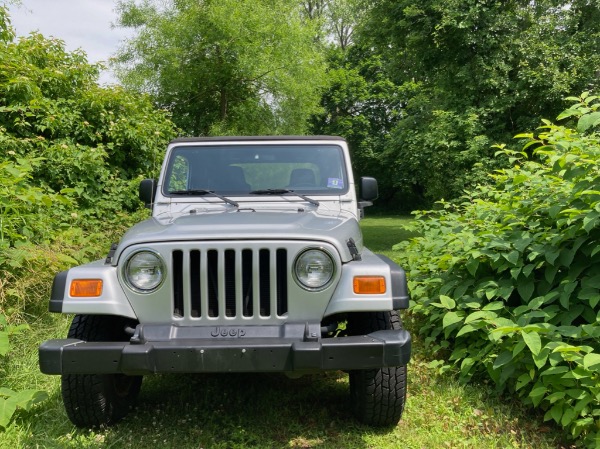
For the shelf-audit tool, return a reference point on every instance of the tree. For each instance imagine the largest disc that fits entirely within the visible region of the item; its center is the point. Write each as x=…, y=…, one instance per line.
x=224, y=67
x=473, y=73
x=360, y=104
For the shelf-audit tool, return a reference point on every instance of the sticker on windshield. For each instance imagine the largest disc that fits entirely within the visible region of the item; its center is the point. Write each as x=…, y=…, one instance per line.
x=335, y=183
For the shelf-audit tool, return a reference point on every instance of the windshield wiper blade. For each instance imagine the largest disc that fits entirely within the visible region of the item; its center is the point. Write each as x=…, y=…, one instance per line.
x=205, y=192
x=283, y=192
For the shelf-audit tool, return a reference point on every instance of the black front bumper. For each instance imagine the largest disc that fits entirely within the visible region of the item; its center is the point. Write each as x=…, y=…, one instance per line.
x=199, y=355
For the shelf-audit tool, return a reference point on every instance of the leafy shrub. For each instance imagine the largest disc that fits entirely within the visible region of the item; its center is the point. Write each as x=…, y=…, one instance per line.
x=22, y=205
x=11, y=400
x=88, y=139
x=507, y=280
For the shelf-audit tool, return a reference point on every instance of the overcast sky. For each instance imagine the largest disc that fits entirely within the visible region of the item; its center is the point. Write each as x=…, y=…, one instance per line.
x=84, y=24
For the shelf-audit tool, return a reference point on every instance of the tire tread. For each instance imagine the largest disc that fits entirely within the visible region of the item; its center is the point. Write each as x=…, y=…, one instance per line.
x=378, y=395
x=90, y=399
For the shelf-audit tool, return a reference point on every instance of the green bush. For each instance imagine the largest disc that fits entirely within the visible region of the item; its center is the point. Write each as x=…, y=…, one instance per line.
x=507, y=280
x=91, y=140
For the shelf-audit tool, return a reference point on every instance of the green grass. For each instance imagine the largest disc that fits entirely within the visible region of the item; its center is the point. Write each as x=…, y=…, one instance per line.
x=271, y=411
x=381, y=233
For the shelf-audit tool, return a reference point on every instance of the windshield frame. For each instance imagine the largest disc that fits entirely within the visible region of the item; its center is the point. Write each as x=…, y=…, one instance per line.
x=334, y=179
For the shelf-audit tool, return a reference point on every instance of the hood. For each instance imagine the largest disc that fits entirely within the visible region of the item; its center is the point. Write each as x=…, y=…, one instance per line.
x=335, y=229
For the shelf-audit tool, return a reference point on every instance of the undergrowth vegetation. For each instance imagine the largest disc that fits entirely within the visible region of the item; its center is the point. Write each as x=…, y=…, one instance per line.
x=72, y=154
x=507, y=279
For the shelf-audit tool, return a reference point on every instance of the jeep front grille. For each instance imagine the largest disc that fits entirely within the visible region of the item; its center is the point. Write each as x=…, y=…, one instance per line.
x=229, y=283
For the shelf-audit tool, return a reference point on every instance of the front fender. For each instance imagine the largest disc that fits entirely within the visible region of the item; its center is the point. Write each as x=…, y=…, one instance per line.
x=112, y=300
x=396, y=296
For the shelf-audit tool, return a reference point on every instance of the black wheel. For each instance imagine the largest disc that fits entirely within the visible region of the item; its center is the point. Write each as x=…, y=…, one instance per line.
x=378, y=395
x=93, y=400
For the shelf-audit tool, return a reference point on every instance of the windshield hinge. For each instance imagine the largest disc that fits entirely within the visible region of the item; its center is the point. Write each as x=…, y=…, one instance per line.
x=353, y=249
x=111, y=254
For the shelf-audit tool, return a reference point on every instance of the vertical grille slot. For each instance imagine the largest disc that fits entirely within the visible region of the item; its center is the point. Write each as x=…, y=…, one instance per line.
x=212, y=271
x=195, y=291
x=229, y=283
x=281, y=274
x=178, y=283
x=264, y=282
x=247, y=283
x=230, y=306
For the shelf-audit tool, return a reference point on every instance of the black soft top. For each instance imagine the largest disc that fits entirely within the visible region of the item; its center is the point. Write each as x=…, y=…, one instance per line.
x=253, y=138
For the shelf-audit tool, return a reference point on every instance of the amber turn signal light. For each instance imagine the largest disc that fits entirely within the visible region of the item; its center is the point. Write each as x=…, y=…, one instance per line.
x=85, y=288
x=369, y=285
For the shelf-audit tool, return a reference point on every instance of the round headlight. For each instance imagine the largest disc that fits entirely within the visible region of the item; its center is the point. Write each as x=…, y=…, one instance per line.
x=314, y=269
x=144, y=271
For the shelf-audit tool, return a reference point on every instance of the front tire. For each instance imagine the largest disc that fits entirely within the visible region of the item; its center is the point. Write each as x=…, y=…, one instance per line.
x=94, y=400
x=378, y=395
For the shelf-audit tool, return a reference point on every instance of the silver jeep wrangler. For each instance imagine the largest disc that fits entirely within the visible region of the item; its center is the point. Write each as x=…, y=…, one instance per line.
x=253, y=261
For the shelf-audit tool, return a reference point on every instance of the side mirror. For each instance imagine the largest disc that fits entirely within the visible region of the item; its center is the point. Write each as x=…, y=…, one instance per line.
x=368, y=189
x=147, y=192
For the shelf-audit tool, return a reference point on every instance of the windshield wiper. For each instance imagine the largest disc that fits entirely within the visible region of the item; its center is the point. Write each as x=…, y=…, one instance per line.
x=283, y=192
x=204, y=192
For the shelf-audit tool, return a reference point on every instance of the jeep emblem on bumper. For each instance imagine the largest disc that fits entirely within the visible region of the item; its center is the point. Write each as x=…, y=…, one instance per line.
x=225, y=332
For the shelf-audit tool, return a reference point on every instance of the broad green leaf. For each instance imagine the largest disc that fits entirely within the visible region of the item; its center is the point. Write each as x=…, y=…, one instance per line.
x=451, y=318
x=552, y=255
x=447, y=302
x=592, y=282
x=537, y=393
x=496, y=305
x=479, y=314
x=502, y=359
x=518, y=348
x=556, y=412
x=581, y=404
x=550, y=273
x=472, y=266
x=541, y=358
x=525, y=289
x=591, y=361
x=590, y=221
x=554, y=370
x=466, y=366
x=7, y=410
x=533, y=341
x=6, y=392
x=568, y=416
x=25, y=399
x=512, y=257
x=466, y=329
x=568, y=113
x=552, y=398
x=588, y=121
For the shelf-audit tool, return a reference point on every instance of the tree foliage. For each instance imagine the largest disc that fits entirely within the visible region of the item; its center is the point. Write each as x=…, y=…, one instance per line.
x=469, y=74
x=361, y=104
x=224, y=67
x=61, y=132
x=507, y=281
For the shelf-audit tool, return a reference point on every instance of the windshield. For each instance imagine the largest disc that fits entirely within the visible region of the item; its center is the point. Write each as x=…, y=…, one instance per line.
x=249, y=169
